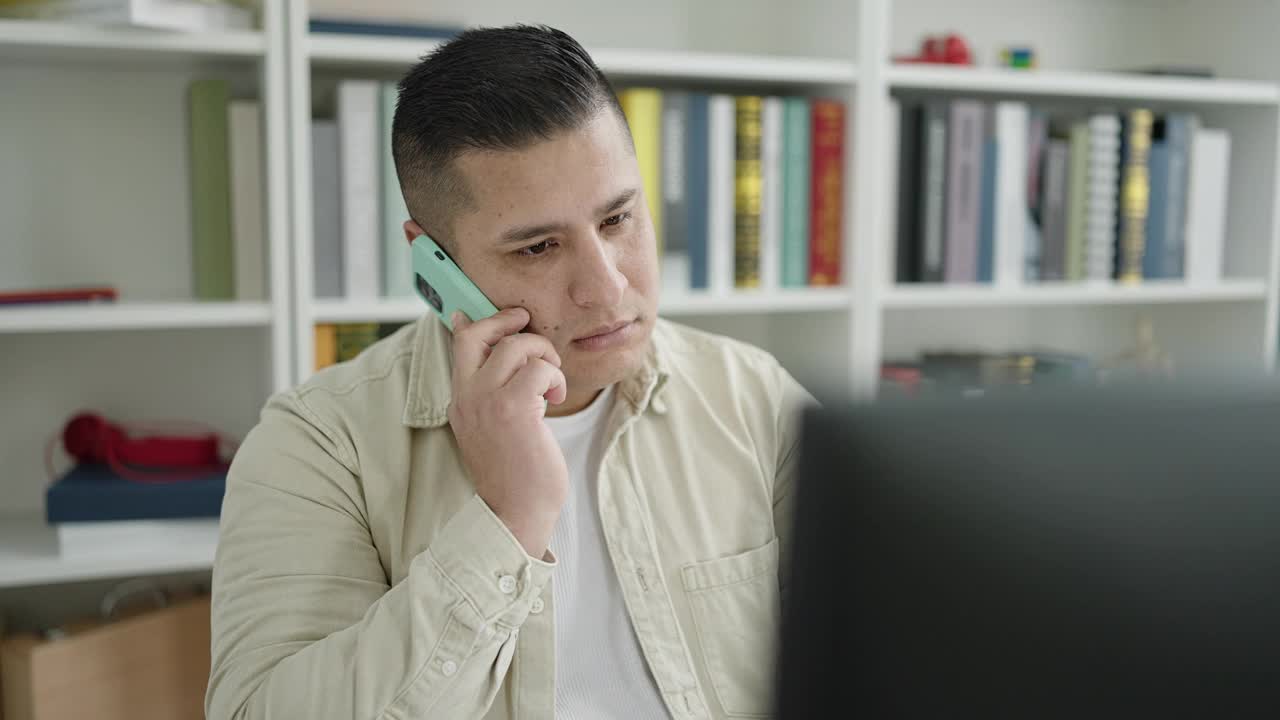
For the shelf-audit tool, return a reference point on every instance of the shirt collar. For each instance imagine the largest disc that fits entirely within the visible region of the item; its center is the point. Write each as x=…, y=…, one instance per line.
x=431, y=376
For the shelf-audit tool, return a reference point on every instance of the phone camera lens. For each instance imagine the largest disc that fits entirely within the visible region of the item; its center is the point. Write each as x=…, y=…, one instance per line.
x=429, y=293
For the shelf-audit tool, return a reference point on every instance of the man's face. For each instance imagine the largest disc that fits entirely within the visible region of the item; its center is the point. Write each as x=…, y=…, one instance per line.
x=561, y=229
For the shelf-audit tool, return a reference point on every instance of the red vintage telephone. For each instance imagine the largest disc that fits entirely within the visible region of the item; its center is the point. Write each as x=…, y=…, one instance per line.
x=160, y=456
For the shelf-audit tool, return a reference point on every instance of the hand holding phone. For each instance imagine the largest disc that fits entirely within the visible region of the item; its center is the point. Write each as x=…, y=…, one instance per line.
x=502, y=380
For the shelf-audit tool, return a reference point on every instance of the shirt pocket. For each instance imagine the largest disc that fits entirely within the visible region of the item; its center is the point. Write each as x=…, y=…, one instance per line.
x=736, y=610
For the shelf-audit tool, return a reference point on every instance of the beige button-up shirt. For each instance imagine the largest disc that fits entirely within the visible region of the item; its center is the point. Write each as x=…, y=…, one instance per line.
x=358, y=574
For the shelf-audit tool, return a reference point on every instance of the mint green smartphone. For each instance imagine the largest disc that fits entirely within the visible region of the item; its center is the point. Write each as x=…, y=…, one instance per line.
x=442, y=284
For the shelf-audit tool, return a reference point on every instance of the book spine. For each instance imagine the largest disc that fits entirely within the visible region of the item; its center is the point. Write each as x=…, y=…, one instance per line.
x=795, y=235
x=326, y=210
x=933, y=173
x=355, y=338
x=964, y=181
x=987, y=219
x=723, y=153
x=771, y=189
x=1077, y=201
x=1037, y=145
x=1207, y=213
x=358, y=124
x=643, y=109
x=1135, y=194
x=212, y=253
x=1054, y=230
x=906, y=235
x=1103, y=200
x=827, y=192
x=675, y=215
x=748, y=194
x=1157, y=228
x=697, y=195
x=1179, y=130
x=247, y=195
x=326, y=342
x=397, y=261
x=1012, y=128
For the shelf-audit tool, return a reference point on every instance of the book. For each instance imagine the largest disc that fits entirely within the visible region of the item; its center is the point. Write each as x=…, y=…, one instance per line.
x=1158, y=210
x=1166, y=225
x=1033, y=239
x=771, y=140
x=987, y=210
x=933, y=191
x=212, y=254
x=94, y=493
x=326, y=210
x=1077, y=200
x=796, y=151
x=397, y=262
x=248, y=200
x=723, y=155
x=1053, y=256
x=964, y=183
x=827, y=192
x=697, y=176
x=49, y=296
x=326, y=345
x=1103, y=196
x=1012, y=127
x=347, y=26
x=184, y=15
x=1135, y=190
x=748, y=193
x=1206, y=224
x=642, y=107
x=361, y=221
x=675, y=273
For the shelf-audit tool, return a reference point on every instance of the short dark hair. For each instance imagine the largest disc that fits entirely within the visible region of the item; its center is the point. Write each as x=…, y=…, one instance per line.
x=488, y=89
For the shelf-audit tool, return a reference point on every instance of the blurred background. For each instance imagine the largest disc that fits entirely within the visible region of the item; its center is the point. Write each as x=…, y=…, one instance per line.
x=895, y=197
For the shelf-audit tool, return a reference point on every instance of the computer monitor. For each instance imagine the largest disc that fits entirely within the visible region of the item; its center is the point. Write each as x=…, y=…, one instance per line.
x=1094, y=554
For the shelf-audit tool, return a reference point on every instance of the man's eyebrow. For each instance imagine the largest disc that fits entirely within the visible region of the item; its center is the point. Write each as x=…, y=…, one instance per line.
x=524, y=233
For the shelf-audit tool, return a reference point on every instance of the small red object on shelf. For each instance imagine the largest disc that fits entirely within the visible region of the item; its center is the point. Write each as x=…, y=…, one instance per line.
x=39, y=296
x=950, y=49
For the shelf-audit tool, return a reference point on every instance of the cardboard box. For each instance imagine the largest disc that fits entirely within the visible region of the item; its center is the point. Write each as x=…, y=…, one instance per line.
x=150, y=666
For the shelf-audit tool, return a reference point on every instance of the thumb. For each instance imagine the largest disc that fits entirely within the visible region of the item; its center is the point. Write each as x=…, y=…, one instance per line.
x=460, y=320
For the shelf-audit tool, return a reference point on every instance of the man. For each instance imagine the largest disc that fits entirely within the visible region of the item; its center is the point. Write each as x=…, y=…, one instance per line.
x=407, y=536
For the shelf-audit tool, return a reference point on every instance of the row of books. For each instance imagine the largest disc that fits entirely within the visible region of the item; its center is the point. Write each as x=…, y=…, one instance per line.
x=340, y=342
x=183, y=15
x=1007, y=192
x=745, y=191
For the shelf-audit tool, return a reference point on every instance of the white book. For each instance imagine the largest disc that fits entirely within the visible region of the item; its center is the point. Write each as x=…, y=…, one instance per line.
x=1207, y=205
x=721, y=111
x=248, y=225
x=91, y=538
x=1012, y=126
x=187, y=15
x=771, y=186
x=1102, y=197
x=361, y=220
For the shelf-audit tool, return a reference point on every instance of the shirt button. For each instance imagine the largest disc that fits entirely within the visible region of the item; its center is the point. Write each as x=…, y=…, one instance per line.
x=449, y=668
x=507, y=584
x=537, y=606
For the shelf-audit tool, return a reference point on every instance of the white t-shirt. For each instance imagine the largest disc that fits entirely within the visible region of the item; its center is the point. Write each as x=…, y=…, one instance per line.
x=600, y=671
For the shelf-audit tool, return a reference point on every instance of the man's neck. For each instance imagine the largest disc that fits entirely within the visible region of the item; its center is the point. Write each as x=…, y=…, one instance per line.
x=573, y=403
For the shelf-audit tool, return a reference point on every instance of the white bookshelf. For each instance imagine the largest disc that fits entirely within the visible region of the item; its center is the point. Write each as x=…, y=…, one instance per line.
x=834, y=336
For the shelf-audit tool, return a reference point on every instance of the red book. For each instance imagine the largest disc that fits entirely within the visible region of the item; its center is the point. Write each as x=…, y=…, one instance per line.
x=56, y=295
x=826, y=192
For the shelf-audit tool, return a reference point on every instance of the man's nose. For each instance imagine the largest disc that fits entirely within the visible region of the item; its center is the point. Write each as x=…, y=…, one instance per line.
x=597, y=281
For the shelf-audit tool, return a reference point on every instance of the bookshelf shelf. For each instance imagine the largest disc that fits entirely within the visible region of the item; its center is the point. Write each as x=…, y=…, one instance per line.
x=801, y=300
x=1086, y=85
x=29, y=553
x=133, y=316
x=355, y=51
x=33, y=39
x=1150, y=293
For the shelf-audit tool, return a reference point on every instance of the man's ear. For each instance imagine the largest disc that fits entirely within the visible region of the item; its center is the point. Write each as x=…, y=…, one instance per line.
x=412, y=231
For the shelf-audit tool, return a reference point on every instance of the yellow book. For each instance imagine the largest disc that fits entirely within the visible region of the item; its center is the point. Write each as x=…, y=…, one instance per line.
x=1135, y=195
x=643, y=108
x=326, y=345
x=748, y=192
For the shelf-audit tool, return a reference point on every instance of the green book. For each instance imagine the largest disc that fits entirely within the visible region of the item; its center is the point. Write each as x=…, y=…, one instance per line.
x=397, y=263
x=1077, y=201
x=796, y=150
x=212, y=257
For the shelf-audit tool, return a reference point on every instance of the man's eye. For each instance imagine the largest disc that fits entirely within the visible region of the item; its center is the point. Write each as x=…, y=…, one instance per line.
x=618, y=219
x=538, y=249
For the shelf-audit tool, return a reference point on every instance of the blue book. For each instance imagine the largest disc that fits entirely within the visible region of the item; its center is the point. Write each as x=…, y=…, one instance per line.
x=697, y=176
x=93, y=493
x=1179, y=128
x=360, y=27
x=1157, y=212
x=987, y=216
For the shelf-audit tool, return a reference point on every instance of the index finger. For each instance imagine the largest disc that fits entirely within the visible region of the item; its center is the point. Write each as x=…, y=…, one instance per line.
x=472, y=340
